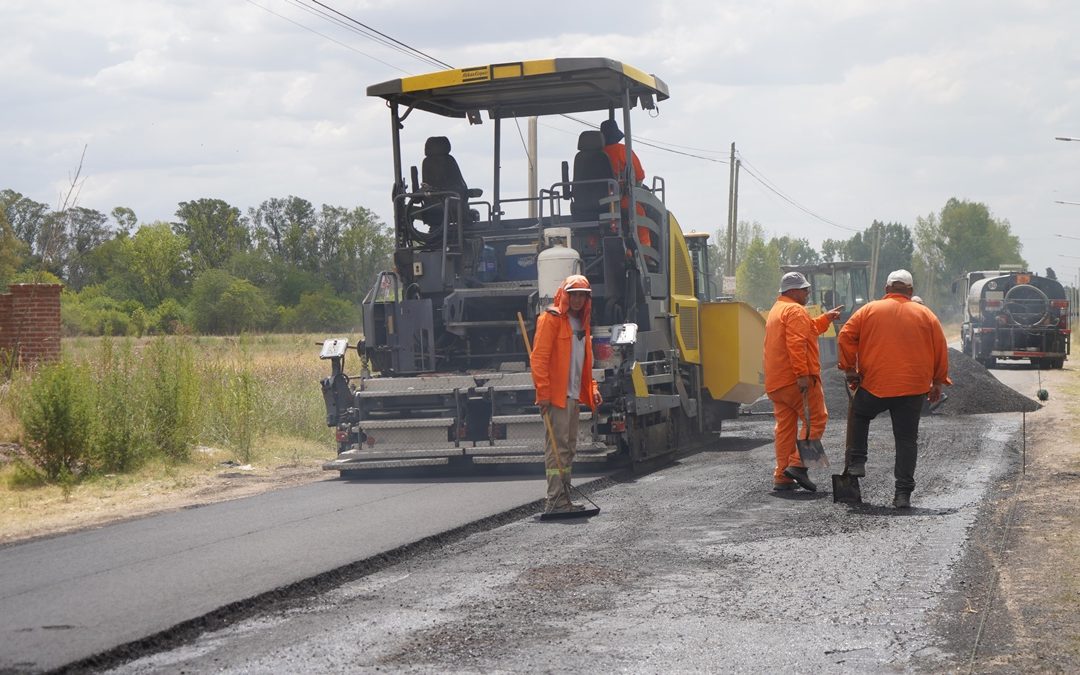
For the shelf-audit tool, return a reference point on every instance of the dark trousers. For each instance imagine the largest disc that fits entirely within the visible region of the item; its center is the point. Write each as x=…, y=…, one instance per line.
x=905, y=411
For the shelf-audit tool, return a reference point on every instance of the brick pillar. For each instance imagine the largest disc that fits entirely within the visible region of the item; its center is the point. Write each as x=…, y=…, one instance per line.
x=30, y=323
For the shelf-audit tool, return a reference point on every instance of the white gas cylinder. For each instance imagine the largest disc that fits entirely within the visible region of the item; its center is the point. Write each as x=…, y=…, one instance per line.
x=553, y=265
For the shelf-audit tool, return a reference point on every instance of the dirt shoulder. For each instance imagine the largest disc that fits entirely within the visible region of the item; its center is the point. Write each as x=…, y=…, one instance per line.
x=211, y=477
x=1033, y=624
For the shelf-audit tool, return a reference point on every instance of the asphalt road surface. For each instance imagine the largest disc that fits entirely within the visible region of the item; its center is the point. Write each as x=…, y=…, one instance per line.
x=66, y=598
x=695, y=567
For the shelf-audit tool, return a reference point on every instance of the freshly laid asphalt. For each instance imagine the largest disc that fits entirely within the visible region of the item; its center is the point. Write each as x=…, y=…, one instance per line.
x=69, y=597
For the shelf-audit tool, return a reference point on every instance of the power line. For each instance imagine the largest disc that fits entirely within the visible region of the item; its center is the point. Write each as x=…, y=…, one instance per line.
x=750, y=169
x=385, y=40
x=413, y=50
x=323, y=35
x=646, y=142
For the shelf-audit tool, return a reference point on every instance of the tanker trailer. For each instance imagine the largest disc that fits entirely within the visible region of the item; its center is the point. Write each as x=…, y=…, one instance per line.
x=1016, y=315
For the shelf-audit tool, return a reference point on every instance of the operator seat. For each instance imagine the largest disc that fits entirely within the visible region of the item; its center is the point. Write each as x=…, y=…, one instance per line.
x=591, y=163
x=440, y=173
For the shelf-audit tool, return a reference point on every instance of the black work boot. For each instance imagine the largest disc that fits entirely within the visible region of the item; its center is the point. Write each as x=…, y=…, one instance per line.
x=799, y=475
x=902, y=499
x=857, y=469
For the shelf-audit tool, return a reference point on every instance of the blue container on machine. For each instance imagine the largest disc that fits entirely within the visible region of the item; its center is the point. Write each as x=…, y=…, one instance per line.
x=520, y=262
x=489, y=265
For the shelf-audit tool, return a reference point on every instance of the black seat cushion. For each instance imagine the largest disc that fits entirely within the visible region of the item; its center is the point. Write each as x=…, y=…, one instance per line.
x=590, y=164
x=440, y=173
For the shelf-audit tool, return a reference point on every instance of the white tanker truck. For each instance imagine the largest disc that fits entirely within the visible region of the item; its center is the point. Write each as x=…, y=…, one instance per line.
x=1015, y=315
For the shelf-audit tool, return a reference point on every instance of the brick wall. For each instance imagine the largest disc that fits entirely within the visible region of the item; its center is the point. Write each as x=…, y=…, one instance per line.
x=30, y=323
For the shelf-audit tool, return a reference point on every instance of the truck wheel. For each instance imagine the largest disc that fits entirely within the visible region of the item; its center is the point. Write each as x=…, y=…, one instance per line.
x=988, y=362
x=1058, y=363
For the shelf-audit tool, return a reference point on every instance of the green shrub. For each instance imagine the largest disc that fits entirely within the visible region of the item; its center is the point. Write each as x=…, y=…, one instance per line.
x=57, y=417
x=224, y=305
x=172, y=396
x=121, y=442
x=238, y=410
x=169, y=318
x=320, y=312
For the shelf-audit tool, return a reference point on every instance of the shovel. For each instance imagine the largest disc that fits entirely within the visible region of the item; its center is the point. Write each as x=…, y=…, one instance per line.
x=812, y=452
x=845, y=487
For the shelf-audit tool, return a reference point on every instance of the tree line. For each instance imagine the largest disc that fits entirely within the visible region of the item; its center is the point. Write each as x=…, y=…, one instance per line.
x=961, y=237
x=287, y=265
x=284, y=265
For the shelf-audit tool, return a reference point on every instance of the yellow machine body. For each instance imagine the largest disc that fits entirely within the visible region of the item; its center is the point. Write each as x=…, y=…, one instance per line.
x=732, y=339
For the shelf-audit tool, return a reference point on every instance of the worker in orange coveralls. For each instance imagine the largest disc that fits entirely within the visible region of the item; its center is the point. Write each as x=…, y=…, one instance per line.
x=894, y=351
x=616, y=152
x=562, y=373
x=793, y=376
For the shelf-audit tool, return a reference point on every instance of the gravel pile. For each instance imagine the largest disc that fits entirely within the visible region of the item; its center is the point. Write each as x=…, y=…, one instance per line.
x=974, y=391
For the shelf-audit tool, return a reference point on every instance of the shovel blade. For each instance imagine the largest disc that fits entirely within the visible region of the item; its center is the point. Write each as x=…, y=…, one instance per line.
x=845, y=489
x=812, y=453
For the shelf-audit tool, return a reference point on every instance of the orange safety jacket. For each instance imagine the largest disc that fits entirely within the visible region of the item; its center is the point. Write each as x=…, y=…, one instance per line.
x=897, y=346
x=551, y=350
x=616, y=152
x=791, y=348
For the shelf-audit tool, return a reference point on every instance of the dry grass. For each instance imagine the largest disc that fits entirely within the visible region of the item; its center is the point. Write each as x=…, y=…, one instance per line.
x=292, y=442
x=160, y=486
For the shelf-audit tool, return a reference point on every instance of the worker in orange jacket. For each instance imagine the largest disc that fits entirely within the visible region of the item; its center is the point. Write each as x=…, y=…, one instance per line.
x=616, y=153
x=562, y=373
x=793, y=377
x=894, y=351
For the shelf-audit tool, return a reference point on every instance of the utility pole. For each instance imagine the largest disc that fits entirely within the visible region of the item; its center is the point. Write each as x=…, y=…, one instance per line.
x=735, y=219
x=532, y=168
x=874, y=260
x=730, y=206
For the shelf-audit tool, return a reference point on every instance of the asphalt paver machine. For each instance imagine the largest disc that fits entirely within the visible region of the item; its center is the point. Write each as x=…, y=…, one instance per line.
x=443, y=376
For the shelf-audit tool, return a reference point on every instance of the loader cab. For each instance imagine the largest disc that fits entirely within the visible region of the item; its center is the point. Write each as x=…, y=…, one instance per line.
x=836, y=283
x=698, y=243
x=831, y=284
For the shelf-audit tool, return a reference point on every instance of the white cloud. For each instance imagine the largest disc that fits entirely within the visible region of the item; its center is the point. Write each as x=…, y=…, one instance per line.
x=857, y=109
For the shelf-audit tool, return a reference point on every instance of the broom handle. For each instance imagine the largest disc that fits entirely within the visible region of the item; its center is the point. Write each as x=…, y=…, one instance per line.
x=543, y=413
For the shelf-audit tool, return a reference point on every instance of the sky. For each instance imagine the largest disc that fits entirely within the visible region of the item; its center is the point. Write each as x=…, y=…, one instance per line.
x=855, y=110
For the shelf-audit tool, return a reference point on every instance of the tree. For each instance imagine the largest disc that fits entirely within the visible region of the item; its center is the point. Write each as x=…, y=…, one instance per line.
x=125, y=220
x=223, y=304
x=354, y=247
x=758, y=275
x=215, y=231
x=12, y=251
x=929, y=267
x=25, y=216
x=288, y=228
x=971, y=239
x=744, y=235
x=795, y=251
x=894, y=249
x=86, y=230
x=160, y=263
